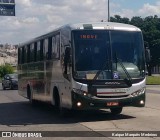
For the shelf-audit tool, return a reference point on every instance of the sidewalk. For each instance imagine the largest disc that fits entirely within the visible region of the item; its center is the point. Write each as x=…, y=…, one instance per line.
x=153, y=87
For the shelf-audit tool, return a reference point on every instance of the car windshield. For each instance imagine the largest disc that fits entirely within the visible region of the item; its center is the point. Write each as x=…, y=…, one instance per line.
x=13, y=76
x=97, y=50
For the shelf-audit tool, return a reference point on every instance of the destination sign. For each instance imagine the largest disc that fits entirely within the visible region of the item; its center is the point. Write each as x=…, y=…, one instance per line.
x=88, y=36
x=7, y=7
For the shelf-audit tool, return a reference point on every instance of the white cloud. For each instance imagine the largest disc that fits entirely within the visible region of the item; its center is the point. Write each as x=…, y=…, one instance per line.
x=29, y=20
x=35, y=17
x=24, y=2
x=148, y=9
x=54, y=19
x=125, y=13
x=40, y=16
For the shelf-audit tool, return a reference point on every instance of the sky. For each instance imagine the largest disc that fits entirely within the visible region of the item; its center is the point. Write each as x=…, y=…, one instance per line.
x=36, y=17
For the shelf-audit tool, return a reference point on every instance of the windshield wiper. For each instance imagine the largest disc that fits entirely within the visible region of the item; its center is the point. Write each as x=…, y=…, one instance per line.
x=102, y=69
x=127, y=80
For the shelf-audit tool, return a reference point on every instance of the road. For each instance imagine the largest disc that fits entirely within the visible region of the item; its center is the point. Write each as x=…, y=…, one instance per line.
x=16, y=114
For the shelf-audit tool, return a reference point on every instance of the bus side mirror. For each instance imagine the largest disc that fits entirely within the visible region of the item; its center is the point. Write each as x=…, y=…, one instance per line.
x=148, y=55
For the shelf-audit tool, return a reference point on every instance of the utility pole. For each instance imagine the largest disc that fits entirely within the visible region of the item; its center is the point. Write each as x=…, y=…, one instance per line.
x=108, y=12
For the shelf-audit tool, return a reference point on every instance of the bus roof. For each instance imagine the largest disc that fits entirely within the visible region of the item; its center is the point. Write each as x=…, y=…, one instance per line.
x=89, y=25
x=105, y=25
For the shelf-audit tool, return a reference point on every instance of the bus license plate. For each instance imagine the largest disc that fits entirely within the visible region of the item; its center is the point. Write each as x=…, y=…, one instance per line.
x=112, y=104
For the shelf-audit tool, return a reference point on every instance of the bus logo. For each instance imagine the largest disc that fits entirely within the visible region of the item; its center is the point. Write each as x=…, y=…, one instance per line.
x=112, y=83
x=115, y=75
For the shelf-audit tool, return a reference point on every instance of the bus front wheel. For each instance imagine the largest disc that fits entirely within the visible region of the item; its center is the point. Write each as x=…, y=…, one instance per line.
x=59, y=109
x=116, y=111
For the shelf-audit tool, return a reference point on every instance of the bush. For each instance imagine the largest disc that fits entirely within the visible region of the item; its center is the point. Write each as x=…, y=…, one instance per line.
x=6, y=69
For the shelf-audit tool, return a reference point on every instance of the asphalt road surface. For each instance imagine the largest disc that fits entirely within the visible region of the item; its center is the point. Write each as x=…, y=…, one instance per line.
x=16, y=114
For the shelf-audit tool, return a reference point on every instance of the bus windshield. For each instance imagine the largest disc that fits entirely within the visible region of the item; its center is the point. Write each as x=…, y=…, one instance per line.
x=102, y=50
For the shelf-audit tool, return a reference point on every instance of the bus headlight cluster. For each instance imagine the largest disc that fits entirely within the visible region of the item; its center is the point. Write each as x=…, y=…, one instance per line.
x=139, y=92
x=81, y=92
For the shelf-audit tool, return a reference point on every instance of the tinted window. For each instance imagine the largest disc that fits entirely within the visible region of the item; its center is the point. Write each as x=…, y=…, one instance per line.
x=91, y=50
x=103, y=50
x=38, y=51
x=35, y=51
x=22, y=56
x=56, y=47
x=128, y=48
x=41, y=50
x=19, y=55
x=32, y=52
x=49, y=48
x=45, y=48
x=28, y=53
x=25, y=54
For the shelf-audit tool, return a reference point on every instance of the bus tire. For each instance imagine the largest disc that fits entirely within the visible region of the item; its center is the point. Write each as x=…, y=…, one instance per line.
x=30, y=96
x=116, y=111
x=58, y=108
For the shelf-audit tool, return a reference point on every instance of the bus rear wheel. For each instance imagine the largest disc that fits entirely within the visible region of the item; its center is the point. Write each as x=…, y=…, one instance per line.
x=116, y=111
x=30, y=96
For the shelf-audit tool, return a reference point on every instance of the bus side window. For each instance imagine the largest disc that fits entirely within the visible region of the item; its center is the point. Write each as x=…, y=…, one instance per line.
x=49, y=48
x=38, y=51
x=53, y=47
x=45, y=49
x=56, y=47
x=22, y=56
x=19, y=55
x=41, y=51
x=28, y=53
x=35, y=51
x=32, y=52
x=25, y=54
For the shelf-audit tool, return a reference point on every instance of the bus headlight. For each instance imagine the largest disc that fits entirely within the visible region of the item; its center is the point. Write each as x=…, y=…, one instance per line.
x=138, y=92
x=81, y=92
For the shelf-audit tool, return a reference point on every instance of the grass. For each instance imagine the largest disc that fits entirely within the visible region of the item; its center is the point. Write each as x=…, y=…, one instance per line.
x=153, y=80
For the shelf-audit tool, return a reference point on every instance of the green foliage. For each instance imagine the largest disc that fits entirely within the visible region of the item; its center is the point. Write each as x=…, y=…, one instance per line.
x=153, y=80
x=6, y=69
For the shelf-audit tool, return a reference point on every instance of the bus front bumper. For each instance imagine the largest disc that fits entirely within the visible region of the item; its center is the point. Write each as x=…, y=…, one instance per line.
x=81, y=102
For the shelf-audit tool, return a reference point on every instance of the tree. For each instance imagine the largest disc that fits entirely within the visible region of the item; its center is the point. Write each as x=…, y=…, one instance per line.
x=155, y=49
x=137, y=21
x=119, y=19
x=6, y=69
